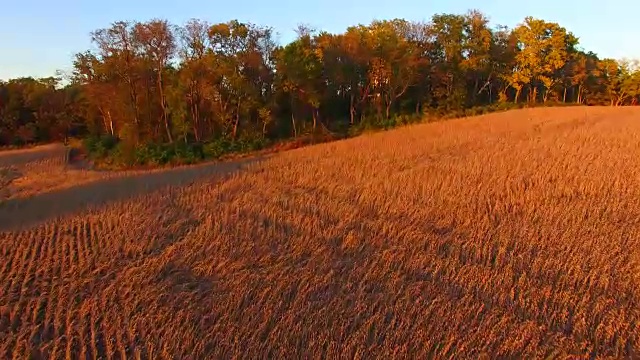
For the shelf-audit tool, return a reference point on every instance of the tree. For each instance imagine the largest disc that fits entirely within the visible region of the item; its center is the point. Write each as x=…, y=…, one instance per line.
x=477, y=47
x=622, y=81
x=544, y=51
x=447, y=36
x=152, y=82
x=242, y=71
x=158, y=46
x=101, y=92
x=193, y=75
x=579, y=71
x=299, y=66
x=355, y=54
x=396, y=63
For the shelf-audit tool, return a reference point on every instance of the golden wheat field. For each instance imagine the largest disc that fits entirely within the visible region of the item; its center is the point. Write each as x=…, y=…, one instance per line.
x=508, y=235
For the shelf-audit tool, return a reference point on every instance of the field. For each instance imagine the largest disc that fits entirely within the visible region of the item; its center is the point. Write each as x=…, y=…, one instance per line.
x=507, y=235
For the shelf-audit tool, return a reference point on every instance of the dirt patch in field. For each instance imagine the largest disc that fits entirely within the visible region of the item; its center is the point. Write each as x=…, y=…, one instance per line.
x=44, y=194
x=39, y=153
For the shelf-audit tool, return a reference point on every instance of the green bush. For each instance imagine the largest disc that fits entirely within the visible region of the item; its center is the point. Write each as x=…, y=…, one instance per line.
x=100, y=146
x=214, y=149
x=183, y=153
x=162, y=154
x=109, y=150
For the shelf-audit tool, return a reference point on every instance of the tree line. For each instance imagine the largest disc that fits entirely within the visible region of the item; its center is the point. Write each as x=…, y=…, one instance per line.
x=156, y=83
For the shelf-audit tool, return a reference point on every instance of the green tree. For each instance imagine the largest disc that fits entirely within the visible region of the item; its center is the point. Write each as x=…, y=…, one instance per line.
x=157, y=47
x=299, y=68
x=544, y=50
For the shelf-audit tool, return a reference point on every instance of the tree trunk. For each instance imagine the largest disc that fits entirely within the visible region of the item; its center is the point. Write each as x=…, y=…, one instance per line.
x=105, y=122
x=315, y=120
x=475, y=91
x=195, y=113
x=195, y=133
x=546, y=96
x=147, y=85
x=293, y=123
x=168, y=129
x=388, y=109
x=352, y=110
x=194, y=118
x=133, y=96
x=110, y=123
x=580, y=94
x=564, y=96
x=236, y=122
x=163, y=103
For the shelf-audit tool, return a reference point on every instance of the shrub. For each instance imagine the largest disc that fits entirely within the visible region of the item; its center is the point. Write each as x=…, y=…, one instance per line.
x=100, y=146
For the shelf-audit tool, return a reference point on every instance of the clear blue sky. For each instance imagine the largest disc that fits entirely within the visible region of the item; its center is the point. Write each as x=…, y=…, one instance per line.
x=39, y=36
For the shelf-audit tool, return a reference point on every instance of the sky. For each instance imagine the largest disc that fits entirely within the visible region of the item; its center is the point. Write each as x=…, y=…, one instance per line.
x=38, y=37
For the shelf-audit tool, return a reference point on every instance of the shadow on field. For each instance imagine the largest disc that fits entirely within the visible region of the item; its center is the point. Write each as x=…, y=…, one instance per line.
x=19, y=213
x=38, y=153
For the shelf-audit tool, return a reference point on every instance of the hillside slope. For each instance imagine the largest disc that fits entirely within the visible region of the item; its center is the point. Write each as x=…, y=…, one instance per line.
x=511, y=235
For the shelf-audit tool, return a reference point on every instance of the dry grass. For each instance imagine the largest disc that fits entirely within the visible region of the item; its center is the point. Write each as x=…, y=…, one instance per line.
x=509, y=235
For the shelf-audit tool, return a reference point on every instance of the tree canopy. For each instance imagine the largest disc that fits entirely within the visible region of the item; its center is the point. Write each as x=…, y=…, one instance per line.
x=154, y=82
